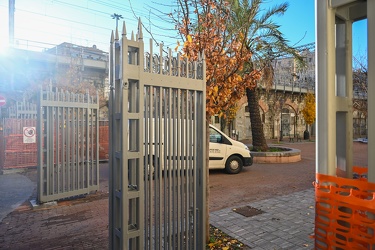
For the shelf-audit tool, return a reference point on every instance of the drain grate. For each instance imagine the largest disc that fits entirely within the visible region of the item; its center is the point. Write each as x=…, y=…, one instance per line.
x=247, y=211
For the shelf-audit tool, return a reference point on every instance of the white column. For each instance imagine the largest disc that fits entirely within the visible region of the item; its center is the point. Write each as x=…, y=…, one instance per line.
x=371, y=88
x=325, y=89
x=341, y=96
x=349, y=91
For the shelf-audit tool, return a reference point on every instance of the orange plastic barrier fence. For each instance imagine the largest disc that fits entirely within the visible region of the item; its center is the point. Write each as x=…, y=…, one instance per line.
x=360, y=173
x=18, y=154
x=345, y=213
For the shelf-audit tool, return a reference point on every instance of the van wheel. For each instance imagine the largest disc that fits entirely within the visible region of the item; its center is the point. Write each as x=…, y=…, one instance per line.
x=233, y=165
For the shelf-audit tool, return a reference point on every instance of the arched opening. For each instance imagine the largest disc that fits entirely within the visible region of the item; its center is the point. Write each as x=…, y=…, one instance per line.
x=285, y=122
x=288, y=125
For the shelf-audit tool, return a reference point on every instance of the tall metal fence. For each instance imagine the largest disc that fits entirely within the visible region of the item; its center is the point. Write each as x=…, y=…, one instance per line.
x=157, y=148
x=23, y=110
x=16, y=153
x=68, y=145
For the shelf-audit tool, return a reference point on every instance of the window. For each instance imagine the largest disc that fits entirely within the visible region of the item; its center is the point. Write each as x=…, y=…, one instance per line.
x=217, y=119
x=215, y=137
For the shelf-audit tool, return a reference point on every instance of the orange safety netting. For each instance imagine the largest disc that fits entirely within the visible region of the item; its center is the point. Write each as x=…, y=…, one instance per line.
x=360, y=173
x=345, y=213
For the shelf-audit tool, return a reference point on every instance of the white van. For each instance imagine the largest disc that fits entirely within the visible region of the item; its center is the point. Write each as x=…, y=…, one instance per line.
x=226, y=153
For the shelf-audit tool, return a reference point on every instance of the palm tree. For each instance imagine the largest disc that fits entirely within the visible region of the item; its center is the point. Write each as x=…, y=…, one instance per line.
x=265, y=42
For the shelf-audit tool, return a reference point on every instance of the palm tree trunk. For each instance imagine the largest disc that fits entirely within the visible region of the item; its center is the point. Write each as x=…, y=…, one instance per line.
x=259, y=141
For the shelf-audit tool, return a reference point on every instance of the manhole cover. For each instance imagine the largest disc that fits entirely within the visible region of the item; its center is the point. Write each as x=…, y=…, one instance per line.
x=247, y=211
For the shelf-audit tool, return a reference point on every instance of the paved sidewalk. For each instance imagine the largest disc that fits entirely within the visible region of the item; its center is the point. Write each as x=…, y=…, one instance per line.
x=287, y=222
x=14, y=190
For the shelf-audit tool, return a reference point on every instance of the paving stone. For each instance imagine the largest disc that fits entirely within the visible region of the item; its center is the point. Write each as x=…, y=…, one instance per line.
x=287, y=223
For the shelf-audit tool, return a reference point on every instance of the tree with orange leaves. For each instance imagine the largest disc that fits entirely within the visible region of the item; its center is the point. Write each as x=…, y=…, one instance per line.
x=308, y=110
x=224, y=48
x=239, y=42
x=205, y=25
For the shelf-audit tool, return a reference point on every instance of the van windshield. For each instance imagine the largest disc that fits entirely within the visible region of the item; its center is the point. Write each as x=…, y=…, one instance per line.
x=215, y=136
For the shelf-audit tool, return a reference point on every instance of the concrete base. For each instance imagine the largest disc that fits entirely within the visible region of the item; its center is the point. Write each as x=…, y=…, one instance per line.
x=288, y=156
x=12, y=171
x=35, y=204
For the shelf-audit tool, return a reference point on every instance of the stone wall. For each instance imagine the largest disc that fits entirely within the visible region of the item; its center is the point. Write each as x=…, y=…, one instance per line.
x=272, y=105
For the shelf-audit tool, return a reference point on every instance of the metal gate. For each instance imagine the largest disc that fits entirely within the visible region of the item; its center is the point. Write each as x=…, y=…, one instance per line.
x=68, y=157
x=285, y=124
x=157, y=148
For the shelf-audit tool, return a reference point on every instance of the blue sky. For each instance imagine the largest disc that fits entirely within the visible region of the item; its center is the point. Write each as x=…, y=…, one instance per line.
x=298, y=25
x=89, y=22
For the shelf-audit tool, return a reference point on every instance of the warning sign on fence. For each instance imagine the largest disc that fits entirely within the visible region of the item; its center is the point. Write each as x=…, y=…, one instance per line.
x=29, y=135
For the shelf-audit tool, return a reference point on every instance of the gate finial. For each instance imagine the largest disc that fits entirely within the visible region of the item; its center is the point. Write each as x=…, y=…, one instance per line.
x=116, y=35
x=140, y=33
x=123, y=29
x=112, y=37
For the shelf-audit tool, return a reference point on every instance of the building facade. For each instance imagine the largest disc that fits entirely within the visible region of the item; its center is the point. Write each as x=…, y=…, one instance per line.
x=280, y=104
x=25, y=71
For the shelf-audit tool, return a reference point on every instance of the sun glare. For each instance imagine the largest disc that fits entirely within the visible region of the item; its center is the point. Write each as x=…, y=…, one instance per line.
x=3, y=48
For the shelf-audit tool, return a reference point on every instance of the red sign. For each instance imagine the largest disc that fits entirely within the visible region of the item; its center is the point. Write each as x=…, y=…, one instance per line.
x=2, y=100
x=29, y=135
